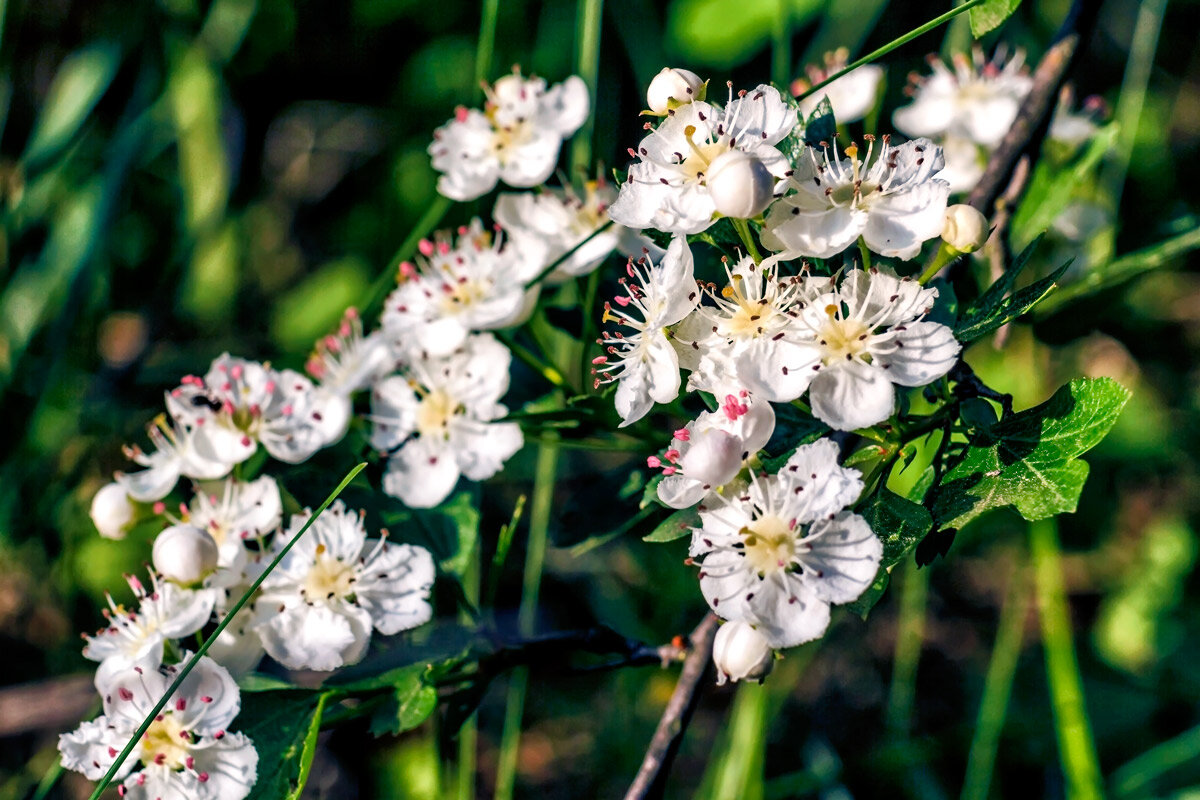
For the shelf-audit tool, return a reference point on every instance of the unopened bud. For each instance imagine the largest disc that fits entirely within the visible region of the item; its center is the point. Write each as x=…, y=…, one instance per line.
x=966, y=228
x=112, y=511
x=184, y=554
x=741, y=653
x=714, y=458
x=673, y=87
x=741, y=186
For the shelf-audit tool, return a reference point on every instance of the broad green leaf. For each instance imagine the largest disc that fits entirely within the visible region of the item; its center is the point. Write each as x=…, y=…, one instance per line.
x=674, y=527
x=1031, y=460
x=900, y=524
x=77, y=87
x=280, y=723
x=451, y=532
x=410, y=703
x=991, y=15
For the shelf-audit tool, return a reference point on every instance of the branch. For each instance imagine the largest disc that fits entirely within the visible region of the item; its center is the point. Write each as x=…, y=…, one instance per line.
x=651, y=776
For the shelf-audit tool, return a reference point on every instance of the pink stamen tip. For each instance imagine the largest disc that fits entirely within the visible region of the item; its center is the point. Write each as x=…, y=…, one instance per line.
x=671, y=455
x=245, y=441
x=426, y=247
x=407, y=269
x=622, y=301
x=653, y=462
x=160, y=507
x=460, y=114
x=683, y=435
x=670, y=471
x=600, y=360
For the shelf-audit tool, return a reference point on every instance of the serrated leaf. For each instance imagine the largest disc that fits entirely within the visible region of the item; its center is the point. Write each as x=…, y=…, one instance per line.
x=821, y=125
x=410, y=703
x=281, y=725
x=900, y=524
x=1031, y=459
x=992, y=311
x=675, y=526
x=988, y=16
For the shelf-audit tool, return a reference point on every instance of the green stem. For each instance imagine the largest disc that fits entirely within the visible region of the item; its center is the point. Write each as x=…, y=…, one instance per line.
x=742, y=227
x=1132, y=778
x=212, y=637
x=910, y=633
x=425, y=225
x=865, y=252
x=587, y=66
x=486, y=45
x=545, y=477
x=781, y=52
x=468, y=734
x=1077, y=749
x=535, y=362
x=944, y=255
x=997, y=689
x=553, y=265
x=892, y=45
x=590, y=290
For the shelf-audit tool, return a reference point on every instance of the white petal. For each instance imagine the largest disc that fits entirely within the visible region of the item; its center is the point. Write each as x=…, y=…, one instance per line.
x=789, y=618
x=482, y=452
x=86, y=749
x=925, y=352
x=394, y=588
x=898, y=224
x=679, y=491
x=844, y=557
x=309, y=637
x=825, y=487
x=779, y=371
x=851, y=395
x=421, y=474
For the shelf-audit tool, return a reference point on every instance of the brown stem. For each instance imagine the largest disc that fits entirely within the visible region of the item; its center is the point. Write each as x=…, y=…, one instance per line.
x=651, y=776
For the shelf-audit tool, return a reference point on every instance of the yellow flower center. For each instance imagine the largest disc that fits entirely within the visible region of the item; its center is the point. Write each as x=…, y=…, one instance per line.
x=700, y=156
x=843, y=339
x=328, y=578
x=770, y=544
x=434, y=414
x=163, y=744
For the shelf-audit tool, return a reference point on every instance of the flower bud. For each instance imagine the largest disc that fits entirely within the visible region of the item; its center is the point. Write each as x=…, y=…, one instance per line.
x=673, y=87
x=184, y=554
x=740, y=185
x=741, y=653
x=714, y=458
x=966, y=228
x=112, y=511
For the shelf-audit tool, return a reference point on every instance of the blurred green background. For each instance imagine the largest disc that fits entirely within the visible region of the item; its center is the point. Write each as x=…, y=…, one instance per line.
x=183, y=177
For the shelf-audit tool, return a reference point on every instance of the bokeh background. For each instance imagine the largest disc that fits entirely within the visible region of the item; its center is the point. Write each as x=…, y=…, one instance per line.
x=184, y=177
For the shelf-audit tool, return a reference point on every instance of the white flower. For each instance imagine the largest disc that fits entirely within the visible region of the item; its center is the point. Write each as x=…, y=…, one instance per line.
x=851, y=96
x=740, y=185
x=709, y=451
x=977, y=101
x=437, y=421
x=184, y=554
x=667, y=188
x=239, y=511
x=893, y=202
x=471, y=285
x=175, y=454
x=966, y=228
x=334, y=586
x=777, y=556
x=187, y=753
x=240, y=404
x=342, y=364
x=849, y=345
x=165, y=611
x=673, y=87
x=741, y=653
x=111, y=511
x=546, y=225
x=644, y=363
x=1072, y=127
x=516, y=138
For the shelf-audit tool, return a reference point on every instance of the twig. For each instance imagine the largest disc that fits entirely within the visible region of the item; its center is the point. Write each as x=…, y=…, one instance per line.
x=651, y=776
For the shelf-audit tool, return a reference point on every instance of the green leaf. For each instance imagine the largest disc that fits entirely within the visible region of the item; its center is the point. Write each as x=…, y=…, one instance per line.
x=452, y=532
x=900, y=524
x=410, y=703
x=258, y=682
x=674, y=527
x=78, y=85
x=988, y=16
x=1031, y=459
x=821, y=125
x=996, y=307
x=282, y=725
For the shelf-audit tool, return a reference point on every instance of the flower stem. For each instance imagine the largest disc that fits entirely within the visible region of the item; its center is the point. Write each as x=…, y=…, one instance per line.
x=892, y=45
x=212, y=637
x=1077, y=749
x=486, y=45
x=553, y=265
x=941, y=258
x=997, y=689
x=587, y=66
x=910, y=633
x=865, y=252
x=743, y=230
x=781, y=52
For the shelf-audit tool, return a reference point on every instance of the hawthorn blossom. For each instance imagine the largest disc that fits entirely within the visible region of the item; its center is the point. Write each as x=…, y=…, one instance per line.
x=236, y=512
x=241, y=404
x=851, y=96
x=741, y=653
x=112, y=511
x=165, y=611
x=667, y=187
x=978, y=100
x=175, y=454
x=671, y=88
x=454, y=288
x=187, y=753
x=710, y=451
x=342, y=364
x=334, y=586
x=184, y=554
x=555, y=223
x=515, y=139
x=850, y=345
x=644, y=363
x=437, y=421
x=893, y=202
x=777, y=556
